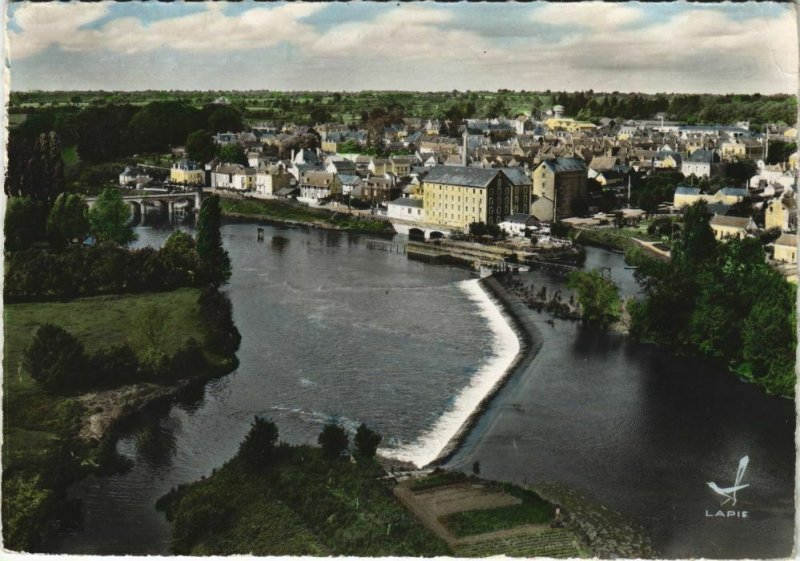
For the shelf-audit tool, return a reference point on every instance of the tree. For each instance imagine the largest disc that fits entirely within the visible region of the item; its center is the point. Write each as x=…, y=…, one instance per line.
x=55, y=358
x=366, y=441
x=333, y=440
x=258, y=447
x=68, y=220
x=179, y=256
x=200, y=146
x=35, y=167
x=24, y=224
x=215, y=264
x=149, y=332
x=697, y=244
x=109, y=218
x=597, y=296
x=233, y=153
x=224, y=118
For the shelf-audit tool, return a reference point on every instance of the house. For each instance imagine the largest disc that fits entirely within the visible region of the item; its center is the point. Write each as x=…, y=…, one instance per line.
x=786, y=248
x=318, y=185
x=781, y=213
x=133, y=177
x=411, y=210
x=401, y=167
x=187, y=172
x=379, y=166
x=341, y=167
x=726, y=227
x=232, y=176
x=701, y=163
x=667, y=159
x=269, y=179
x=559, y=188
x=742, y=149
x=349, y=182
x=768, y=175
x=729, y=195
x=686, y=195
x=377, y=190
x=517, y=224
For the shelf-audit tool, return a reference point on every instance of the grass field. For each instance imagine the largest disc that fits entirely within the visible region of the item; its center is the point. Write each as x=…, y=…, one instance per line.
x=533, y=510
x=40, y=450
x=299, y=504
x=613, y=238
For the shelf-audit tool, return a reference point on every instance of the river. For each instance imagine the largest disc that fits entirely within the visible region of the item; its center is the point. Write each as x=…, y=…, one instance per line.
x=334, y=330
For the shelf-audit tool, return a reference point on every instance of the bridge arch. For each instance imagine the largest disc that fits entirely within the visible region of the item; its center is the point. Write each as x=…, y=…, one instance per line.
x=436, y=235
x=416, y=234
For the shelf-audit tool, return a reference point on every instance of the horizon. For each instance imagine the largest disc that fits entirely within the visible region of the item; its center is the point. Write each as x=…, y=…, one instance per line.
x=413, y=47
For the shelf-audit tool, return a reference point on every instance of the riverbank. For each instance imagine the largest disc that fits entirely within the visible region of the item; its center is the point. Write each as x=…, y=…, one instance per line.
x=298, y=502
x=53, y=439
x=274, y=211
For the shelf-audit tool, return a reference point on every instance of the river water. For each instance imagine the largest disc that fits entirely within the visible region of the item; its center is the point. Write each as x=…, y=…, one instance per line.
x=334, y=330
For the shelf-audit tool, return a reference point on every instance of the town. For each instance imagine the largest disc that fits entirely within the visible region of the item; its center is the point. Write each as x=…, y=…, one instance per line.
x=433, y=178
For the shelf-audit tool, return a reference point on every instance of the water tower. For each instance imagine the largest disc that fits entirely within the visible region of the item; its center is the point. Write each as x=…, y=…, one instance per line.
x=558, y=111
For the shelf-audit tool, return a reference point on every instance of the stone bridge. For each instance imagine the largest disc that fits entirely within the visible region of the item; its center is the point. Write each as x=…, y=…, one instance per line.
x=420, y=231
x=145, y=202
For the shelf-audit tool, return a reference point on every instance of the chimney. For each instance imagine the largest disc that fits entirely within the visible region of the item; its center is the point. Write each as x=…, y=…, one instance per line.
x=292, y=155
x=464, y=154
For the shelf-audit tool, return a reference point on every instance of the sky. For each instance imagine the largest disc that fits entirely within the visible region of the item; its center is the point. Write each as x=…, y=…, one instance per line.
x=418, y=46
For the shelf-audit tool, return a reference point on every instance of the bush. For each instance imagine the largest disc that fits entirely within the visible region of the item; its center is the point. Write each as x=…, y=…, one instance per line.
x=366, y=441
x=55, y=359
x=258, y=447
x=114, y=366
x=187, y=361
x=333, y=440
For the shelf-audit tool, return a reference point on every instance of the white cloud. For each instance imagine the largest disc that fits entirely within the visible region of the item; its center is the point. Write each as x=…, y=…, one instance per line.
x=595, y=15
x=426, y=46
x=206, y=31
x=46, y=24
x=407, y=33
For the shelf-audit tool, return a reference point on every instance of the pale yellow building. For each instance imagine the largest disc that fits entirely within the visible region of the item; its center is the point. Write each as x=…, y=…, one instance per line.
x=728, y=227
x=786, y=248
x=568, y=124
x=781, y=213
x=187, y=173
x=457, y=196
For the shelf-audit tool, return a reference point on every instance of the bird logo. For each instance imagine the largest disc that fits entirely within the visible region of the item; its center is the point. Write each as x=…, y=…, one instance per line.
x=730, y=492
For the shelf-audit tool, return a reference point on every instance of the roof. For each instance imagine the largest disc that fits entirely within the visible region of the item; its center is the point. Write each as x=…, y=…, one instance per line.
x=459, y=175
x=520, y=218
x=733, y=192
x=789, y=240
x=560, y=165
x=730, y=221
x=516, y=176
x=687, y=190
x=704, y=156
x=285, y=191
x=413, y=203
x=603, y=162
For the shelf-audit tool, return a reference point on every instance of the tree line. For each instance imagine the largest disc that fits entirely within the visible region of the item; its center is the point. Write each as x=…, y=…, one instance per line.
x=722, y=301
x=106, y=132
x=109, y=268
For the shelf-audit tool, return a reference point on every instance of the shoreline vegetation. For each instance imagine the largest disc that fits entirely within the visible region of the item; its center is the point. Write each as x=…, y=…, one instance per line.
x=282, y=212
x=98, y=334
x=54, y=438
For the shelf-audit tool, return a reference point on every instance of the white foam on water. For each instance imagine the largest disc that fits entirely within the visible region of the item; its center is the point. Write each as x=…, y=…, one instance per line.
x=505, y=345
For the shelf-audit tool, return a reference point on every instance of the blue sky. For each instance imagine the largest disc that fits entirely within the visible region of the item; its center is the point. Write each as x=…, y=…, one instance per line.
x=746, y=47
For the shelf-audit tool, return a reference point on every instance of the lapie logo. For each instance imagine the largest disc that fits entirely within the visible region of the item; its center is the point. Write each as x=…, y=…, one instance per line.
x=729, y=493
